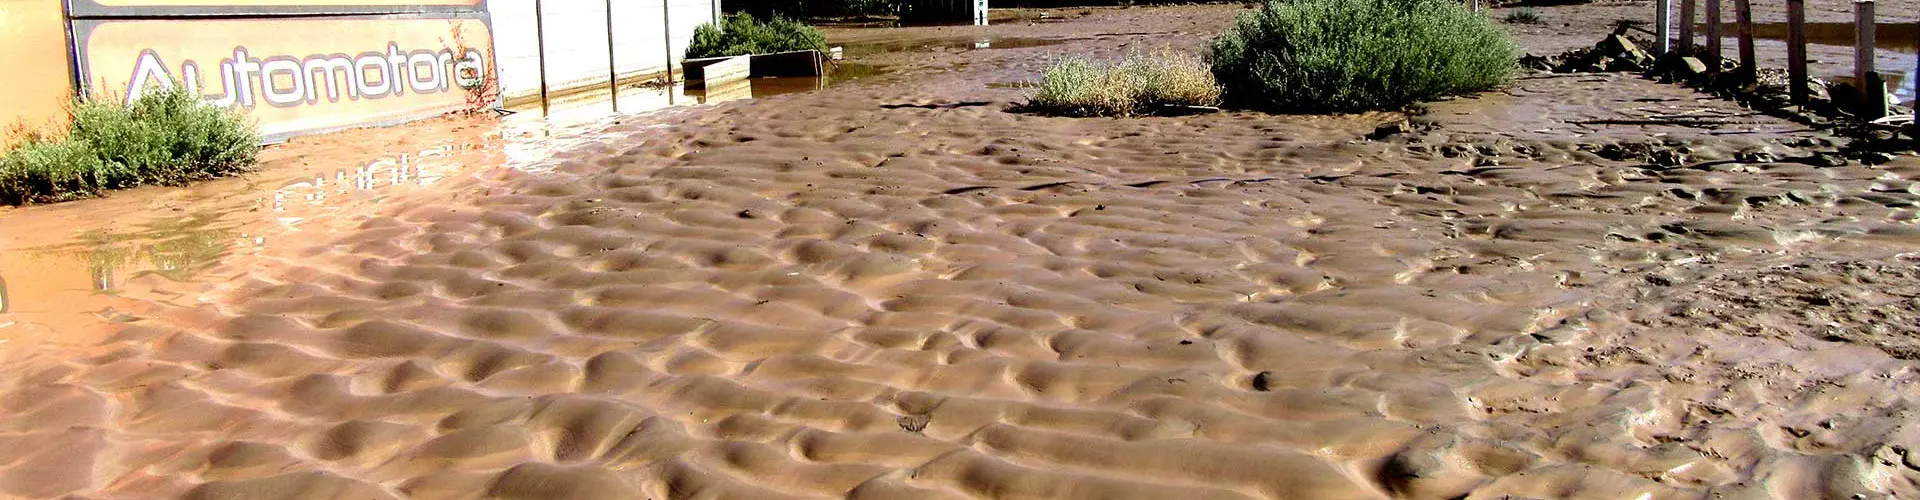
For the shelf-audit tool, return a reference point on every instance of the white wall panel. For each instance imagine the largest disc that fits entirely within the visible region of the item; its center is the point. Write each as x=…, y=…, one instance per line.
x=576, y=40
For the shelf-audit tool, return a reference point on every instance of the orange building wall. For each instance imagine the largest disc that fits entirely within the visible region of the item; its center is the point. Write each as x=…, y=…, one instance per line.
x=33, y=48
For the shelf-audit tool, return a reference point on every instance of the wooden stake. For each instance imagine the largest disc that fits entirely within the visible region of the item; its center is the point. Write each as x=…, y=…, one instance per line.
x=1797, y=51
x=1686, y=27
x=1863, y=32
x=1743, y=13
x=1873, y=90
x=1664, y=18
x=1712, y=57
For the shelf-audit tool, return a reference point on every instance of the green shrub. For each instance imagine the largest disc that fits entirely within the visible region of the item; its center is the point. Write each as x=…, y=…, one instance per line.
x=1355, y=55
x=45, y=172
x=165, y=137
x=740, y=34
x=1142, y=82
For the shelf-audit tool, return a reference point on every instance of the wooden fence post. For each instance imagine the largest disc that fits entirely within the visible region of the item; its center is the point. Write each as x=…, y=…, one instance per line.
x=1664, y=18
x=1665, y=27
x=1743, y=12
x=1797, y=51
x=1873, y=90
x=1712, y=57
x=1686, y=27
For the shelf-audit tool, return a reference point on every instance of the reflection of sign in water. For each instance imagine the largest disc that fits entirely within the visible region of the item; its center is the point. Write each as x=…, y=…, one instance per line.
x=291, y=75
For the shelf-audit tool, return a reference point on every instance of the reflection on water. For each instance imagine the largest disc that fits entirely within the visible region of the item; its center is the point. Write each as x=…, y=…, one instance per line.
x=71, y=292
x=952, y=44
x=82, y=285
x=591, y=104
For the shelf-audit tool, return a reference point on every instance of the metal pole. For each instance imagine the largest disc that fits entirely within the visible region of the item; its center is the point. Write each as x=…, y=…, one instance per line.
x=1743, y=13
x=540, y=44
x=1686, y=27
x=1797, y=51
x=666, y=23
x=1664, y=18
x=613, y=72
x=1713, y=36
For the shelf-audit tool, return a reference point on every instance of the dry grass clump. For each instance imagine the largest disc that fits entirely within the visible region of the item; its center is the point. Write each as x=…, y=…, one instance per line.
x=1142, y=83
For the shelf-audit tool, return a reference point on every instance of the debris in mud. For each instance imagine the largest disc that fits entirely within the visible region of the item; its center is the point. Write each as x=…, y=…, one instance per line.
x=1868, y=302
x=1765, y=89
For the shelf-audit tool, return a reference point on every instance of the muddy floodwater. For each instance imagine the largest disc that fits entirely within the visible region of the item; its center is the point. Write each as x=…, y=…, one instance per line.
x=900, y=287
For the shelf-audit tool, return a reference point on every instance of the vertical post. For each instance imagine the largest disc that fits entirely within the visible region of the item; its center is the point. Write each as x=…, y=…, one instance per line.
x=1873, y=89
x=613, y=71
x=1743, y=13
x=1663, y=27
x=1797, y=51
x=1476, y=6
x=540, y=44
x=1664, y=18
x=666, y=24
x=1862, y=41
x=1713, y=36
x=1686, y=27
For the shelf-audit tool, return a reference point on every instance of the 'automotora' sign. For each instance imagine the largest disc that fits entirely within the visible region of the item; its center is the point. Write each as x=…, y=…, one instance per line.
x=294, y=75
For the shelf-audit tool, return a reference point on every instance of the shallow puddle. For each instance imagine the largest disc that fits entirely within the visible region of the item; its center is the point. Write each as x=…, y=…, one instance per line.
x=952, y=44
x=640, y=98
x=71, y=273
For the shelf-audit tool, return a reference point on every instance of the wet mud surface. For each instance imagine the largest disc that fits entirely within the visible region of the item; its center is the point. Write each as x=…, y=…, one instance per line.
x=897, y=288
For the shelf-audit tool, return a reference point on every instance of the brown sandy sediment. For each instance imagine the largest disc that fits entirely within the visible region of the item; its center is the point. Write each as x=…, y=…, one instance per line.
x=903, y=290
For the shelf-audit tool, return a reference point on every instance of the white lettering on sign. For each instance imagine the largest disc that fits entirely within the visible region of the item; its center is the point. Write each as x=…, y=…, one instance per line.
x=285, y=81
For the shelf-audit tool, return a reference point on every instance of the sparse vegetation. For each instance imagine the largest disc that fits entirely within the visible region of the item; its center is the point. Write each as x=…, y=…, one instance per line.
x=740, y=34
x=1355, y=55
x=166, y=137
x=1143, y=82
x=1522, y=16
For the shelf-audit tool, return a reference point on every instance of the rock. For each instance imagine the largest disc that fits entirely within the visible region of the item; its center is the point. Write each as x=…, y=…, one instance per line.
x=1760, y=154
x=1823, y=159
x=1692, y=66
x=1620, y=47
x=1877, y=157
x=1670, y=157
x=1387, y=130
x=1537, y=63
x=1625, y=64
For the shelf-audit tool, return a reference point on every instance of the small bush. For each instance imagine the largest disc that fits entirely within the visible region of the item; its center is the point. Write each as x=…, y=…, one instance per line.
x=1523, y=16
x=740, y=34
x=1142, y=82
x=1356, y=55
x=165, y=137
x=46, y=172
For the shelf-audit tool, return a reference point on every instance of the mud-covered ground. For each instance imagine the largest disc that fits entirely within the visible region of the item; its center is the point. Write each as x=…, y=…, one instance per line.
x=899, y=288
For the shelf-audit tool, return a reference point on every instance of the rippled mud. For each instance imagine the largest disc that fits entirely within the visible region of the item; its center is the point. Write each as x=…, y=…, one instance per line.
x=901, y=289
